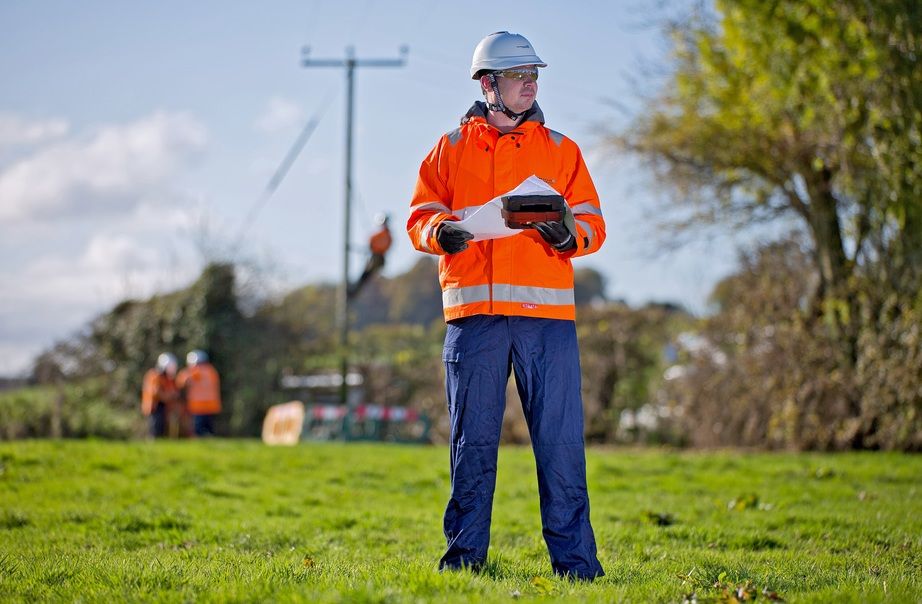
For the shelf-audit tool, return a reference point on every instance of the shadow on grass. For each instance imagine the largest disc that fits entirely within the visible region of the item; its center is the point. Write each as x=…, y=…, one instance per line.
x=13, y=520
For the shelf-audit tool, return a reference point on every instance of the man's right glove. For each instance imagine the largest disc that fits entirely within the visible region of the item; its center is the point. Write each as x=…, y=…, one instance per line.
x=452, y=239
x=557, y=234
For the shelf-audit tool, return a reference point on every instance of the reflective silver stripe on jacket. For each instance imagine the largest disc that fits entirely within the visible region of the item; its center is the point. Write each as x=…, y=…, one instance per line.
x=590, y=233
x=432, y=205
x=586, y=208
x=441, y=207
x=555, y=136
x=424, y=240
x=504, y=292
x=456, y=296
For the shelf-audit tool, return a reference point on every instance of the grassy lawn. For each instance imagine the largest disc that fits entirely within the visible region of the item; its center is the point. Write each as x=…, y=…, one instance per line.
x=237, y=521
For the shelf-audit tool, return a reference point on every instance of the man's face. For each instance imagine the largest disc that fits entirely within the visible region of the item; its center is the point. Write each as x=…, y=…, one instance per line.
x=518, y=87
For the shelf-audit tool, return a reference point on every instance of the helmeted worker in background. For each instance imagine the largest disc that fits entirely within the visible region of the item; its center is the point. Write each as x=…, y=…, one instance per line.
x=201, y=388
x=159, y=394
x=509, y=304
x=378, y=245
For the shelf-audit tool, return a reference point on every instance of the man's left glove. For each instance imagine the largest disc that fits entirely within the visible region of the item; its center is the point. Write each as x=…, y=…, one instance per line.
x=557, y=234
x=453, y=239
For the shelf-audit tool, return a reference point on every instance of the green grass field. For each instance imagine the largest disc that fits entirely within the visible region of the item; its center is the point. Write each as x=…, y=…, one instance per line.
x=238, y=521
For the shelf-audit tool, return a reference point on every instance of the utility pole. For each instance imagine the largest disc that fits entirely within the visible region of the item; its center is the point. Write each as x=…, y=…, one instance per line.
x=342, y=306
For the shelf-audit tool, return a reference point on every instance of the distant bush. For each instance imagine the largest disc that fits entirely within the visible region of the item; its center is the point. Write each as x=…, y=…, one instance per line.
x=776, y=372
x=79, y=410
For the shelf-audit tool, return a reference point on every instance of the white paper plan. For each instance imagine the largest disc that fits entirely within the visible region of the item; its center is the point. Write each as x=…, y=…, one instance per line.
x=486, y=221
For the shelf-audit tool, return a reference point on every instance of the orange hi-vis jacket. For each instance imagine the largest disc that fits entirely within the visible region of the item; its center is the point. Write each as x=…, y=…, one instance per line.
x=202, y=388
x=380, y=241
x=519, y=275
x=157, y=388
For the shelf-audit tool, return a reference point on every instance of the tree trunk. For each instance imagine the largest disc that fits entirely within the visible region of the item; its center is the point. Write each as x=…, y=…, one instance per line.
x=827, y=235
x=834, y=275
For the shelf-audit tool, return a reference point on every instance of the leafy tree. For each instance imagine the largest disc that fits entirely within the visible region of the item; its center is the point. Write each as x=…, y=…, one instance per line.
x=809, y=110
x=798, y=107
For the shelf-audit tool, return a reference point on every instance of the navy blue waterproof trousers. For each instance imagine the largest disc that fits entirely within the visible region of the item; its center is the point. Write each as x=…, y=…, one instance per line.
x=479, y=353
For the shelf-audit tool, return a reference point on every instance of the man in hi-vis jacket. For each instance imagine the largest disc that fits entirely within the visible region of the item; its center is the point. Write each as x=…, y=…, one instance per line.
x=509, y=305
x=201, y=388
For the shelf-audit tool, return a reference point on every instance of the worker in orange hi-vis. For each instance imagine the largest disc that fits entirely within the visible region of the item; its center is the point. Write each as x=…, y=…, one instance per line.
x=201, y=386
x=159, y=394
x=378, y=244
x=509, y=301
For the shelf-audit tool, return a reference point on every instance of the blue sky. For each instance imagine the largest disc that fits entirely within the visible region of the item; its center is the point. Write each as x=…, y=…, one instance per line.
x=135, y=135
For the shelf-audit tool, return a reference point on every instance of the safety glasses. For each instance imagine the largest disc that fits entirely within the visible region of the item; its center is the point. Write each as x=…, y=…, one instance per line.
x=519, y=74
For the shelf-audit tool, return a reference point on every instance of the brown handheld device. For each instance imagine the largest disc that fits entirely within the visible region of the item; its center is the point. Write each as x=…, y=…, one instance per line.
x=521, y=211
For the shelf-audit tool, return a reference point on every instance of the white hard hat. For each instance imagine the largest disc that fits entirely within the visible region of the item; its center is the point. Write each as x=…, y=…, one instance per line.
x=166, y=361
x=502, y=50
x=196, y=357
x=381, y=218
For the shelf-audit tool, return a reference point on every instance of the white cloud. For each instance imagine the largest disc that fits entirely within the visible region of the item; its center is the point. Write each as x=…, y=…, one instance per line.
x=175, y=214
x=280, y=115
x=16, y=130
x=110, y=266
x=58, y=293
x=16, y=358
x=117, y=254
x=109, y=173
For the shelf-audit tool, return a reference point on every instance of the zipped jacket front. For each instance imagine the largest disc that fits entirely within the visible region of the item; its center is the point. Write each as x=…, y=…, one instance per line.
x=519, y=275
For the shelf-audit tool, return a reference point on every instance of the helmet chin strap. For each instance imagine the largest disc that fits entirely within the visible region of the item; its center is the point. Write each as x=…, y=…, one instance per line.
x=499, y=105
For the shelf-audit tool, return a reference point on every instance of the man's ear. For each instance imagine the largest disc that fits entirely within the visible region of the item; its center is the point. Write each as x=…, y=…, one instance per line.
x=485, y=84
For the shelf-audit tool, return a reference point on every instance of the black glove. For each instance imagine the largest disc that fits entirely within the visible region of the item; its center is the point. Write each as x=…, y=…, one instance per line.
x=557, y=234
x=452, y=239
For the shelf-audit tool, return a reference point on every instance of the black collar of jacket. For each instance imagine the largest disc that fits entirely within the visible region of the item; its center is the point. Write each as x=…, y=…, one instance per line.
x=479, y=109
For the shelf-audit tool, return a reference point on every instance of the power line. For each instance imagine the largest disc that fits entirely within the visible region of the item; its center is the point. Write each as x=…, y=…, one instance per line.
x=281, y=172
